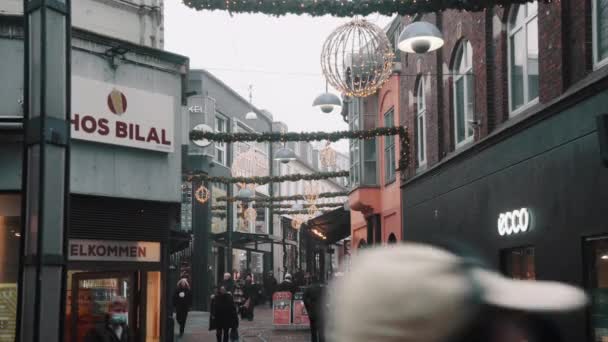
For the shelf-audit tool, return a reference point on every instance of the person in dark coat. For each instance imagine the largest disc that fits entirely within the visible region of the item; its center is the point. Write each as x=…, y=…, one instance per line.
x=270, y=285
x=115, y=328
x=314, y=303
x=228, y=283
x=249, y=293
x=223, y=315
x=287, y=285
x=182, y=300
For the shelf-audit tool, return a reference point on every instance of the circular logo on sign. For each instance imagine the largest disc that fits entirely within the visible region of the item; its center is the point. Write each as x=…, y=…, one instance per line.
x=117, y=102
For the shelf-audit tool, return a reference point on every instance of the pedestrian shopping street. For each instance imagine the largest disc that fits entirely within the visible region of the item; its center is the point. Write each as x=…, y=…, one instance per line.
x=260, y=329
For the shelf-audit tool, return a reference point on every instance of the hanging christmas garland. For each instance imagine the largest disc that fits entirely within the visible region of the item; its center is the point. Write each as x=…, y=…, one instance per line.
x=303, y=211
x=268, y=179
x=282, y=198
x=293, y=136
x=287, y=206
x=345, y=8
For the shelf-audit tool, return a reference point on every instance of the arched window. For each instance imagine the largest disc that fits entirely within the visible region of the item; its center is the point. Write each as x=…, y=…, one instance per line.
x=464, y=88
x=523, y=56
x=421, y=122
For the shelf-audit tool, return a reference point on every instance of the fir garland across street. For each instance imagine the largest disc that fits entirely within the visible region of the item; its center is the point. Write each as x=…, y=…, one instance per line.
x=304, y=211
x=283, y=206
x=268, y=179
x=293, y=136
x=346, y=8
x=282, y=198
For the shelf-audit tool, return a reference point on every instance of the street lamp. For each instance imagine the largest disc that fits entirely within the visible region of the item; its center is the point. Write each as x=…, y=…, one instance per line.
x=420, y=37
x=245, y=193
x=285, y=155
x=327, y=102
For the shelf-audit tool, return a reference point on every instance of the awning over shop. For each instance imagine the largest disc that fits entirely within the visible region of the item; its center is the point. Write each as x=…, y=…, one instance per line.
x=243, y=239
x=333, y=225
x=179, y=240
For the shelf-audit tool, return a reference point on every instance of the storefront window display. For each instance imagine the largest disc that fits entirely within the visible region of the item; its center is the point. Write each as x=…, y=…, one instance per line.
x=239, y=262
x=257, y=266
x=518, y=263
x=597, y=273
x=10, y=235
x=219, y=210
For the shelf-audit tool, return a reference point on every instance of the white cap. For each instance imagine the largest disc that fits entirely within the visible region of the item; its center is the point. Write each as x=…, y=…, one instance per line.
x=415, y=293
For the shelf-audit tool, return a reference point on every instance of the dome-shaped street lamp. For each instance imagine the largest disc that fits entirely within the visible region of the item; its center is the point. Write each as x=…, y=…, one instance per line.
x=284, y=155
x=327, y=102
x=420, y=37
x=245, y=193
x=251, y=115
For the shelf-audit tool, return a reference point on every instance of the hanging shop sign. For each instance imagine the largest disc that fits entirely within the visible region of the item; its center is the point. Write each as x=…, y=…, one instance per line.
x=113, y=114
x=514, y=222
x=106, y=250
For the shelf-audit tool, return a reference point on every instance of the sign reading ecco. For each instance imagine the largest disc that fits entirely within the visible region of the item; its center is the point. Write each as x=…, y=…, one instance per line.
x=513, y=222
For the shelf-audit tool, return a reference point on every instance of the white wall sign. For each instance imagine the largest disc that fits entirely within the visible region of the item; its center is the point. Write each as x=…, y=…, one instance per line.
x=107, y=250
x=513, y=222
x=118, y=115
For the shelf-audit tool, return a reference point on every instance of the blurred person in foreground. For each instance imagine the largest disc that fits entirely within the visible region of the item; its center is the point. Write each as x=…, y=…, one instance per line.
x=314, y=301
x=223, y=315
x=421, y=293
x=114, y=328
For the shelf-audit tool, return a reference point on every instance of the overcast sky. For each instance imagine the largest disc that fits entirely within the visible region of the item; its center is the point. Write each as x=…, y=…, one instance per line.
x=280, y=57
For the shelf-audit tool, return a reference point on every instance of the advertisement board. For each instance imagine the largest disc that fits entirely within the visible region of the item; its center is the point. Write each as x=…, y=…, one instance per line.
x=114, y=114
x=300, y=315
x=281, y=308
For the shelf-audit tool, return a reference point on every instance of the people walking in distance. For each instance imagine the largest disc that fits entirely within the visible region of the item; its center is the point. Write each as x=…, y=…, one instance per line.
x=182, y=300
x=223, y=315
x=114, y=328
x=270, y=286
x=450, y=295
x=314, y=301
x=287, y=285
x=228, y=282
x=249, y=295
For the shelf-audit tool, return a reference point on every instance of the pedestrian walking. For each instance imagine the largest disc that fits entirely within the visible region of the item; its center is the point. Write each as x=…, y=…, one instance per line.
x=448, y=296
x=249, y=294
x=270, y=285
x=223, y=315
x=239, y=296
x=228, y=283
x=314, y=303
x=182, y=300
x=287, y=285
x=114, y=328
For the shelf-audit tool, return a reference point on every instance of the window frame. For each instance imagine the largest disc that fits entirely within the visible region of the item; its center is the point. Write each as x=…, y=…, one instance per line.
x=508, y=252
x=464, y=47
x=389, y=149
x=221, y=147
x=527, y=103
x=597, y=62
x=355, y=145
x=421, y=153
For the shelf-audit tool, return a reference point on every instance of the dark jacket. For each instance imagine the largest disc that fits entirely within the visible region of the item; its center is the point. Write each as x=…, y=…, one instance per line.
x=250, y=291
x=228, y=285
x=313, y=301
x=182, y=303
x=104, y=333
x=287, y=286
x=270, y=285
x=223, y=312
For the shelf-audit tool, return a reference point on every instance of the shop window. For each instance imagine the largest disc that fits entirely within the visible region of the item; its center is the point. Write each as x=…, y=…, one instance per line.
x=421, y=123
x=519, y=263
x=523, y=56
x=153, y=307
x=10, y=234
x=221, y=126
x=596, y=273
x=389, y=148
x=600, y=32
x=463, y=94
x=354, y=144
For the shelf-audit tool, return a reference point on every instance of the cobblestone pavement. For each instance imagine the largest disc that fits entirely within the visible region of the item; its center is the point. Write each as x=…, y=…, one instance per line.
x=259, y=330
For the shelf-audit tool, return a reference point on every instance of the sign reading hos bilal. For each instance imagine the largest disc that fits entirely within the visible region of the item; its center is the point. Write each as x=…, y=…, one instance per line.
x=118, y=115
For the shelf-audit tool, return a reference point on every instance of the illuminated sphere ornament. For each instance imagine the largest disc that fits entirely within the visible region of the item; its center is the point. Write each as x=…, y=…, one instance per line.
x=202, y=194
x=250, y=214
x=312, y=210
x=328, y=156
x=357, y=58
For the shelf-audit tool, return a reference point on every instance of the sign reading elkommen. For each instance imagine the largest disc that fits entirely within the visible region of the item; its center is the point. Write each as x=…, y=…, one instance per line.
x=107, y=250
x=119, y=115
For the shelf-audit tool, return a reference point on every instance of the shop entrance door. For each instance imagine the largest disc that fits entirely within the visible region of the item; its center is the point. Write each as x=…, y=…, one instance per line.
x=92, y=293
